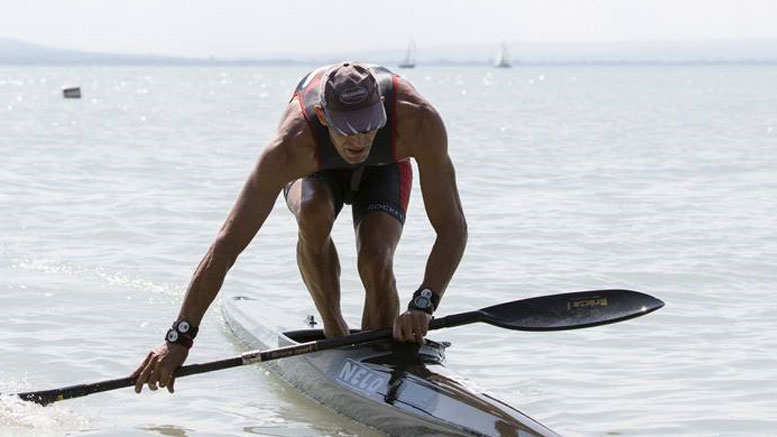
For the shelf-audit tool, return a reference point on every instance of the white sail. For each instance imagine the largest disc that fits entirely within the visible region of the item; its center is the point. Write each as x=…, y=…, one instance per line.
x=502, y=59
x=409, y=61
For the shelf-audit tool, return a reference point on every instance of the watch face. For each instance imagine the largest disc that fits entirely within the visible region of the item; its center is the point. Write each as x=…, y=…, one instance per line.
x=172, y=336
x=422, y=302
x=427, y=293
x=183, y=327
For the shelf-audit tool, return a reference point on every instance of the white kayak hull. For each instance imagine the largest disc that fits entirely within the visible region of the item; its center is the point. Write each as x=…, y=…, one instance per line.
x=397, y=389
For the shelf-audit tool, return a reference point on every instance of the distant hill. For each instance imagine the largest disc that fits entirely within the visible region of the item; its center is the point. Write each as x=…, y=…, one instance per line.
x=13, y=52
x=18, y=52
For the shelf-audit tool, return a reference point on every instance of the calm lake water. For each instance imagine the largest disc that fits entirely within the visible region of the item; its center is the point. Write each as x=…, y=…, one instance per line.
x=659, y=179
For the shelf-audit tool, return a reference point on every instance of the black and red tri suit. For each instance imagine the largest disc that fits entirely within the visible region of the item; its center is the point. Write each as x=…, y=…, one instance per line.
x=381, y=183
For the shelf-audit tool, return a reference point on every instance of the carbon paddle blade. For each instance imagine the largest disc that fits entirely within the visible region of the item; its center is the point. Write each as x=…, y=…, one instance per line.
x=576, y=310
x=42, y=397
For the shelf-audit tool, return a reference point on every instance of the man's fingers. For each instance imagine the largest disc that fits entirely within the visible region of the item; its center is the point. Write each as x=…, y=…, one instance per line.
x=425, y=326
x=164, y=378
x=150, y=362
x=415, y=326
x=418, y=329
x=154, y=378
x=397, y=331
x=411, y=327
x=140, y=368
x=407, y=332
x=158, y=368
x=153, y=375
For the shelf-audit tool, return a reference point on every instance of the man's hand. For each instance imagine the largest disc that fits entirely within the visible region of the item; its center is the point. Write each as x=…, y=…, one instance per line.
x=411, y=326
x=158, y=367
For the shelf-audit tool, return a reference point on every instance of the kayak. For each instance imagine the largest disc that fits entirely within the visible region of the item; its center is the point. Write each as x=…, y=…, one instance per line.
x=397, y=389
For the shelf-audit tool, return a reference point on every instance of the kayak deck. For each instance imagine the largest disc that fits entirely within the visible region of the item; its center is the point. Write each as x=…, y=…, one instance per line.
x=398, y=389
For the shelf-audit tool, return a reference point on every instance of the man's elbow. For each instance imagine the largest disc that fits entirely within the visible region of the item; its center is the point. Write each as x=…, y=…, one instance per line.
x=463, y=232
x=455, y=231
x=224, y=250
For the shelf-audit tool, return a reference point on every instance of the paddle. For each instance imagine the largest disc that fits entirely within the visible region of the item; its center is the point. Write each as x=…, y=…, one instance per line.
x=546, y=313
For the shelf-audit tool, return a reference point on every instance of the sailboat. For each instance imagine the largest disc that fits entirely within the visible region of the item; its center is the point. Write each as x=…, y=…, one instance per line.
x=409, y=61
x=502, y=59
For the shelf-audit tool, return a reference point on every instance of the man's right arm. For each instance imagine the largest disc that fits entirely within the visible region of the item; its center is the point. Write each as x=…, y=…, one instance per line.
x=249, y=212
x=287, y=157
x=284, y=159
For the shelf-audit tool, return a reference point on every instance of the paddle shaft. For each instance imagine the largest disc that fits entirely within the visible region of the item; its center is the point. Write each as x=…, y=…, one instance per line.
x=544, y=313
x=45, y=397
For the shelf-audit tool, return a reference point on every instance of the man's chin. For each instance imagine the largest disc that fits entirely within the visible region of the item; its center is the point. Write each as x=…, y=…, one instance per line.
x=355, y=162
x=358, y=159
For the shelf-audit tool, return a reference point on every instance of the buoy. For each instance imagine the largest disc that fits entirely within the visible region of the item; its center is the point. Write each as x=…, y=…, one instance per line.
x=72, y=92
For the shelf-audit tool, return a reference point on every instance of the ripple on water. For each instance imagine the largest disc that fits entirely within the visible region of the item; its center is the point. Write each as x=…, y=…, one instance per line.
x=611, y=178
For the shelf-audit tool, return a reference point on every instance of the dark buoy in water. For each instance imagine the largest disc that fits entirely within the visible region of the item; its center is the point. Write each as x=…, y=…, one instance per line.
x=72, y=92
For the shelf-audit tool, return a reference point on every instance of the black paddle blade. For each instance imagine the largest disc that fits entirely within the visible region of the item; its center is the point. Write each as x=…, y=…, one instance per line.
x=45, y=397
x=42, y=397
x=581, y=309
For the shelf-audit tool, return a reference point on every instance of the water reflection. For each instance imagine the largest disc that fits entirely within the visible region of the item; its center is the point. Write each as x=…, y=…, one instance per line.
x=168, y=430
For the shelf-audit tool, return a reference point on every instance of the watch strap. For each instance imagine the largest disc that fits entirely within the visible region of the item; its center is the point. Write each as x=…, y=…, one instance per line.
x=184, y=327
x=182, y=332
x=173, y=337
x=426, y=293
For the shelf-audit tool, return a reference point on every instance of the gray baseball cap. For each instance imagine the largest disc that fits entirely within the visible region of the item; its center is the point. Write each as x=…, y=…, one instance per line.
x=350, y=96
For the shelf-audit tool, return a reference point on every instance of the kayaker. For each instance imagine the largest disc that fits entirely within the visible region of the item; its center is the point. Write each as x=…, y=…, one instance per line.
x=346, y=137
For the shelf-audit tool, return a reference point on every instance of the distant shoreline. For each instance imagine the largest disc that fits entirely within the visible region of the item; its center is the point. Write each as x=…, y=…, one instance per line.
x=703, y=53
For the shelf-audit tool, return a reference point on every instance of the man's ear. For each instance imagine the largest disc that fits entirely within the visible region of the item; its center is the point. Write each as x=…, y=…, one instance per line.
x=320, y=114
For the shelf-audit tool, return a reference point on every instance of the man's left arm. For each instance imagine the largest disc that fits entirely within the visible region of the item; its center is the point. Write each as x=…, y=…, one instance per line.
x=443, y=207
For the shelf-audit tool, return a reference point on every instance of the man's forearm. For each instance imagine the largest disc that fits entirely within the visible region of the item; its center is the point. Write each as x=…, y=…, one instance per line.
x=205, y=284
x=445, y=256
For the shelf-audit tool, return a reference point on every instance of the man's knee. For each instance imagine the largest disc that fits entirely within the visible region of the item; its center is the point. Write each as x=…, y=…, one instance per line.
x=375, y=262
x=315, y=219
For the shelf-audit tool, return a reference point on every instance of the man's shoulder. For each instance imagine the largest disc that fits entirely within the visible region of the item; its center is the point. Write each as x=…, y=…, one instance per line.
x=414, y=111
x=409, y=98
x=419, y=125
x=294, y=139
x=293, y=124
x=294, y=133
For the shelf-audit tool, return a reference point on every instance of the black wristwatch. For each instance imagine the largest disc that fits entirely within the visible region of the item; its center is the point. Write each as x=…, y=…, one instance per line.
x=182, y=333
x=424, y=300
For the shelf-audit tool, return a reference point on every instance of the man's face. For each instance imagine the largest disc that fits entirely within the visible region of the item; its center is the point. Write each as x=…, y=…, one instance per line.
x=355, y=148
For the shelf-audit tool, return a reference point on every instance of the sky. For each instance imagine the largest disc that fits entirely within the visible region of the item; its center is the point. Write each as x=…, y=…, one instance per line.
x=264, y=28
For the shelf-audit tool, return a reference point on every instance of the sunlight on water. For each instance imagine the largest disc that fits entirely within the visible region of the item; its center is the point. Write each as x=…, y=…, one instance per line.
x=119, y=279
x=659, y=179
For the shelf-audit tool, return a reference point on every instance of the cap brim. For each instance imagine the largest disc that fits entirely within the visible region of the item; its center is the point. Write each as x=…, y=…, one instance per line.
x=358, y=121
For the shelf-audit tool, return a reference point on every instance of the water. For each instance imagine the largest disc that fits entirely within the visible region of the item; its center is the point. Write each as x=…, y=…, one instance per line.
x=660, y=179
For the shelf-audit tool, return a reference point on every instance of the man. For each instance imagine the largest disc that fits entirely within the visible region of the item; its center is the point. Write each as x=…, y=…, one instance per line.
x=346, y=136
